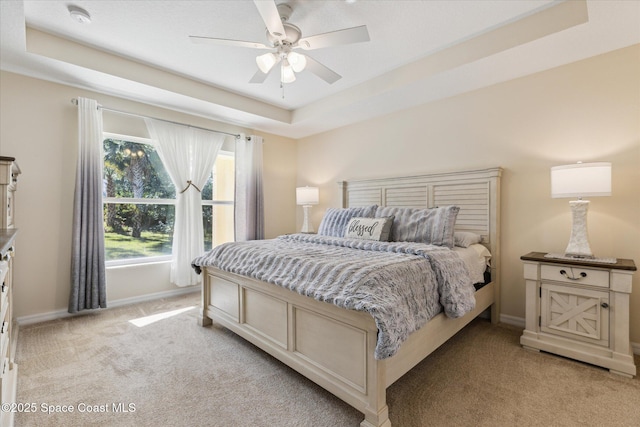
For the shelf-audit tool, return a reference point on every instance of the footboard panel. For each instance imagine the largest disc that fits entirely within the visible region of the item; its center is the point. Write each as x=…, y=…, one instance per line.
x=338, y=349
x=264, y=315
x=331, y=346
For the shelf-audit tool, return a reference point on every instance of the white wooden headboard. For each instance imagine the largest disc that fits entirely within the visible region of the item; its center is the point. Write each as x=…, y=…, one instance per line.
x=476, y=192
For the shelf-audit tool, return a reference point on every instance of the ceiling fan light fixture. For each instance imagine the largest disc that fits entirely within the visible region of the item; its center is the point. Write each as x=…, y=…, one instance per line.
x=286, y=73
x=267, y=61
x=298, y=62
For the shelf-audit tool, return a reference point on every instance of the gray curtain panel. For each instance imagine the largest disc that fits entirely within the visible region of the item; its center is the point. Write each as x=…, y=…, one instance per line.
x=88, y=282
x=249, y=198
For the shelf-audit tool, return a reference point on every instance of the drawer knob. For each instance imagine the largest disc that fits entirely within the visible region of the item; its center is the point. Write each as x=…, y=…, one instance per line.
x=565, y=274
x=604, y=305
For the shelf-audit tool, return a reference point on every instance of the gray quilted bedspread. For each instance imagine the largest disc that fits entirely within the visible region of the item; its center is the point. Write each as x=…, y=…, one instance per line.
x=402, y=285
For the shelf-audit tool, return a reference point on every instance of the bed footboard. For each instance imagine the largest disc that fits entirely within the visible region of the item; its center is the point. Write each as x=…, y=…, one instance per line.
x=331, y=346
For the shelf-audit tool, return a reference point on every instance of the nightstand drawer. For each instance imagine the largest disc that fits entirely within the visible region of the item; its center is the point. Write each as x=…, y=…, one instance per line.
x=575, y=275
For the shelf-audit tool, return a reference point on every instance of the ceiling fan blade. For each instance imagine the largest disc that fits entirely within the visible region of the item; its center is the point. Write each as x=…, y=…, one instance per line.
x=346, y=36
x=227, y=42
x=322, y=71
x=259, y=77
x=271, y=17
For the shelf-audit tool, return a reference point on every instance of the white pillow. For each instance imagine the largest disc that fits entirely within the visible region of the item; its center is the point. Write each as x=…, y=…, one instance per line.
x=464, y=239
x=369, y=228
x=335, y=220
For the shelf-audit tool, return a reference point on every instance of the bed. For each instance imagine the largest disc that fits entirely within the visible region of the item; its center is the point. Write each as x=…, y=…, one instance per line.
x=336, y=347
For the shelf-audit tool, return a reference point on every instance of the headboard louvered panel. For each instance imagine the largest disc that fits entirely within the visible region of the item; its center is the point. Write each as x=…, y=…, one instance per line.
x=476, y=192
x=473, y=200
x=407, y=197
x=365, y=197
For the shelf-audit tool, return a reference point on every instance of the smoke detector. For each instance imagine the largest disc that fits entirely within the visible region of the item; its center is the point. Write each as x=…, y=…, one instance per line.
x=79, y=15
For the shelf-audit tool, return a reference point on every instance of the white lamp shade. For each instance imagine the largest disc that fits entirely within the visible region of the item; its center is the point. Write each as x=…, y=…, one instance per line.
x=581, y=180
x=307, y=196
x=266, y=62
x=298, y=62
x=287, y=75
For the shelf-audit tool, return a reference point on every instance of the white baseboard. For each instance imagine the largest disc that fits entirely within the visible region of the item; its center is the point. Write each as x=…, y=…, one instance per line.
x=60, y=314
x=512, y=320
x=53, y=315
x=520, y=323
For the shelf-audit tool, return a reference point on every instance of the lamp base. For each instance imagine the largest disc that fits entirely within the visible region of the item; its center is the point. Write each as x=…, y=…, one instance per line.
x=307, y=227
x=578, y=246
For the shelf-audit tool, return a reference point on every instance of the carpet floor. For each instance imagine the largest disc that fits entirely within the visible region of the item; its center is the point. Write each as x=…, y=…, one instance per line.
x=150, y=364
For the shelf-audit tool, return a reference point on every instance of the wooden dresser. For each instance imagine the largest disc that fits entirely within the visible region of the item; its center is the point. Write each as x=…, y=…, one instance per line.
x=9, y=172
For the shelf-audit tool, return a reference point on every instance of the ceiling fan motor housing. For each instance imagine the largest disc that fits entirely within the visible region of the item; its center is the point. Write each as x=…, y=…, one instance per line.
x=292, y=35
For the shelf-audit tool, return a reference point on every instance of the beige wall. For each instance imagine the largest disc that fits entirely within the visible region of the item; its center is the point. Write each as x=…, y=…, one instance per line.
x=38, y=126
x=588, y=111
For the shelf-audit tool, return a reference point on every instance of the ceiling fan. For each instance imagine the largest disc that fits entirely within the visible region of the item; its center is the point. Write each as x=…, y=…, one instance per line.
x=283, y=39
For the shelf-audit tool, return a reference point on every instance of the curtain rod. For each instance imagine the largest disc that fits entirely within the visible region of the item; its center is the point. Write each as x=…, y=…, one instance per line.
x=74, y=101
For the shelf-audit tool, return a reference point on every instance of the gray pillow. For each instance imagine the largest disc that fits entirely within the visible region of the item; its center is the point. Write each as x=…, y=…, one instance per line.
x=432, y=226
x=335, y=220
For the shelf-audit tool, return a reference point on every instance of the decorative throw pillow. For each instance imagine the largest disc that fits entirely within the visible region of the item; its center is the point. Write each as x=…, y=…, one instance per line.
x=464, y=239
x=432, y=226
x=370, y=228
x=335, y=220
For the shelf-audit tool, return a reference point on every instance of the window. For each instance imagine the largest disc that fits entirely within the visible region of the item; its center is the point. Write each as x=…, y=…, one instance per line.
x=139, y=202
x=217, y=202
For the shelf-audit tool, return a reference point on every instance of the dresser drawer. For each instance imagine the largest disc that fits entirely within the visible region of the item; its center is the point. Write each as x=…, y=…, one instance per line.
x=4, y=346
x=10, y=209
x=4, y=269
x=4, y=289
x=4, y=367
x=4, y=307
x=575, y=275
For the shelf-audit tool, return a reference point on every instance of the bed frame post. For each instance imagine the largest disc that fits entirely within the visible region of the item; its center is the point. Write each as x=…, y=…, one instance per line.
x=203, y=318
x=377, y=413
x=343, y=193
x=494, y=224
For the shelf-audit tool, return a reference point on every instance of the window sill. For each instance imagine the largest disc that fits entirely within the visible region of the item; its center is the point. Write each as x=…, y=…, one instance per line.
x=138, y=262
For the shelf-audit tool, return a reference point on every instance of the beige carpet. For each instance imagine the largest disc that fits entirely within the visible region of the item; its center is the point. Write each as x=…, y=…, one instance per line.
x=175, y=373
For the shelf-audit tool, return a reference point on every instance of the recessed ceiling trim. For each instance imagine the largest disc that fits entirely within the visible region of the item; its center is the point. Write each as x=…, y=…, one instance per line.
x=57, y=48
x=540, y=23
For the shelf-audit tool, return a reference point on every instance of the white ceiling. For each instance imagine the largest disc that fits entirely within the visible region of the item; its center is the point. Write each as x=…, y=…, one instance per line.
x=419, y=51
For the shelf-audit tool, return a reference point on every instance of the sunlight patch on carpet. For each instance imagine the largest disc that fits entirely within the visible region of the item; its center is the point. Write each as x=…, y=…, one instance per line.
x=147, y=320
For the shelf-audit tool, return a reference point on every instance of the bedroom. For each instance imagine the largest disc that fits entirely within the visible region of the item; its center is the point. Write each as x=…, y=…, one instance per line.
x=584, y=109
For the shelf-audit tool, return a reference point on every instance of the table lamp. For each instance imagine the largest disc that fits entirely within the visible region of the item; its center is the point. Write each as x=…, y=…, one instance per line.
x=580, y=180
x=307, y=196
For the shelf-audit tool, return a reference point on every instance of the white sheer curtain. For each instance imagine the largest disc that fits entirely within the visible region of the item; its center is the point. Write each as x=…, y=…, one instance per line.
x=188, y=154
x=88, y=280
x=249, y=199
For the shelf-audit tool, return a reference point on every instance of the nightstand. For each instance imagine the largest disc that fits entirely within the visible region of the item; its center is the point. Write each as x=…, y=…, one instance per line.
x=579, y=309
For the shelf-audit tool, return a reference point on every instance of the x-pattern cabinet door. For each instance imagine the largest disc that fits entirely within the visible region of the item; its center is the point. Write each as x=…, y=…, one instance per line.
x=581, y=314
